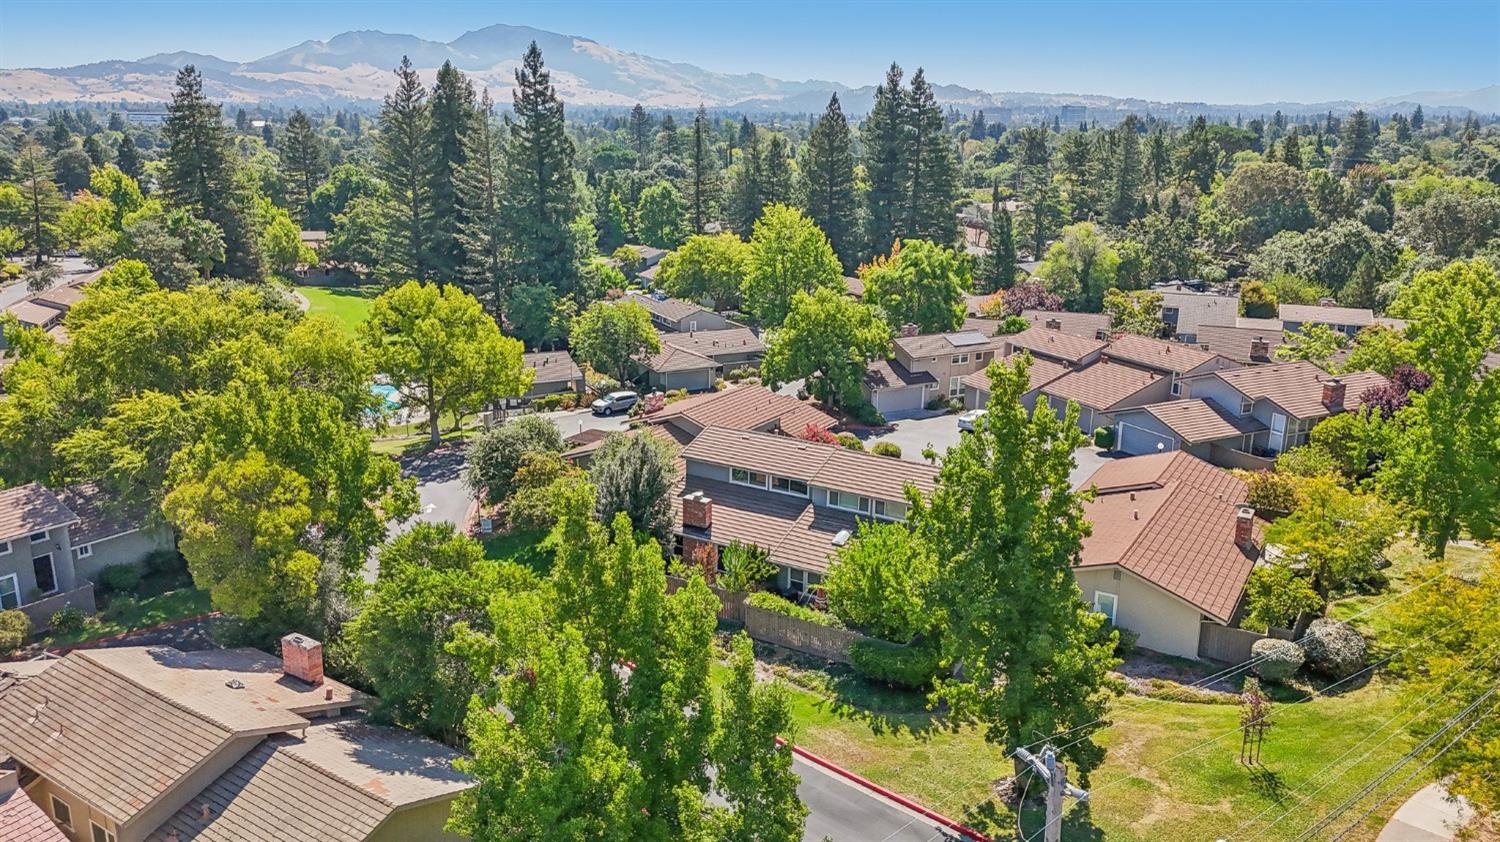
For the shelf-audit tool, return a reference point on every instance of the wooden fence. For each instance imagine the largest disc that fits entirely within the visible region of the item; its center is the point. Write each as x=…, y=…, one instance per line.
x=799, y=635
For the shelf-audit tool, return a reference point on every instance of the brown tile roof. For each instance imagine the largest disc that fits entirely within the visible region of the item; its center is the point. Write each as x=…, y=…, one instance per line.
x=854, y=286
x=1199, y=308
x=339, y=782
x=1102, y=385
x=953, y=342
x=1159, y=354
x=63, y=297
x=1275, y=326
x=889, y=374
x=671, y=309
x=120, y=727
x=1197, y=421
x=1326, y=315
x=34, y=314
x=1297, y=387
x=673, y=358
x=98, y=515
x=552, y=366
x=587, y=443
x=711, y=343
x=1085, y=325
x=1235, y=342
x=791, y=529
x=748, y=407
x=31, y=508
x=1041, y=372
x=23, y=820
x=988, y=327
x=827, y=465
x=1053, y=343
x=1169, y=518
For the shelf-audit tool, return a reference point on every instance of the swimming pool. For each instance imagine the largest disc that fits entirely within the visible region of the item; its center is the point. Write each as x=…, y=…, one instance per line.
x=389, y=395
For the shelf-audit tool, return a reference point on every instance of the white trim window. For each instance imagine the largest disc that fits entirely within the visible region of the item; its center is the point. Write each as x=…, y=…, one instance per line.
x=38, y=537
x=83, y=551
x=4, y=548
x=62, y=813
x=889, y=511
x=787, y=485
x=1176, y=386
x=10, y=591
x=1247, y=406
x=745, y=476
x=797, y=580
x=99, y=834
x=955, y=387
x=1107, y=604
x=959, y=359
x=849, y=502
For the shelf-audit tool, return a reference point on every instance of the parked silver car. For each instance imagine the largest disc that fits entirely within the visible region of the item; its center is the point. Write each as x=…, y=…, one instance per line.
x=615, y=402
x=966, y=420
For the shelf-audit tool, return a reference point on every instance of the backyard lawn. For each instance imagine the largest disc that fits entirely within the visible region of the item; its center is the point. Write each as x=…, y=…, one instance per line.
x=346, y=305
x=160, y=598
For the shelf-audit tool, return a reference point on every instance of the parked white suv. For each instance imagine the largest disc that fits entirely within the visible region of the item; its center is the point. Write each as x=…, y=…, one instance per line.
x=615, y=402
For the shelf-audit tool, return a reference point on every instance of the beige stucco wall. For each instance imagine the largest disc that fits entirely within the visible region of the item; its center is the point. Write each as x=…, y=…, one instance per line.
x=1165, y=623
x=417, y=824
x=42, y=792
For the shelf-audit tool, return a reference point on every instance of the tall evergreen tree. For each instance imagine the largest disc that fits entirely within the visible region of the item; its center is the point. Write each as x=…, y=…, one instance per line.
x=884, y=139
x=40, y=200
x=671, y=142
x=1291, y=151
x=1417, y=120
x=1127, y=171
x=1200, y=157
x=998, y=269
x=1356, y=141
x=541, y=201
x=746, y=197
x=703, y=191
x=931, y=171
x=402, y=159
x=1043, y=216
x=1158, y=159
x=640, y=132
x=775, y=172
x=452, y=108
x=477, y=182
x=746, y=137
x=827, y=168
x=199, y=175
x=303, y=162
x=128, y=156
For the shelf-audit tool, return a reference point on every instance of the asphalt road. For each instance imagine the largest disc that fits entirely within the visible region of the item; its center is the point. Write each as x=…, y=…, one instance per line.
x=841, y=811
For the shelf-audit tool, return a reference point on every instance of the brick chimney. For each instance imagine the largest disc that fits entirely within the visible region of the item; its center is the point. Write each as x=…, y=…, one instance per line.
x=909, y=329
x=302, y=658
x=1244, y=531
x=1053, y=324
x=1260, y=349
x=697, y=511
x=1333, y=393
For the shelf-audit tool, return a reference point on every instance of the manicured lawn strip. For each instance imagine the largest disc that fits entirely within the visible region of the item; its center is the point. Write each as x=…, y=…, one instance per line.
x=346, y=305
x=162, y=599
x=524, y=548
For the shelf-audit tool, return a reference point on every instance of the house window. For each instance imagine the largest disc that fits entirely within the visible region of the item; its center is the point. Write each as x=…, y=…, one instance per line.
x=84, y=551
x=10, y=592
x=959, y=359
x=1247, y=442
x=100, y=834
x=62, y=812
x=850, y=502
x=693, y=325
x=1176, y=386
x=1169, y=315
x=1246, y=406
x=789, y=486
x=889, y=511
x=744, y=476
x=955, y=387
x=38, y=537
x=4, y=548
x=1105, y=604
x=46, y=575
x=796, y=580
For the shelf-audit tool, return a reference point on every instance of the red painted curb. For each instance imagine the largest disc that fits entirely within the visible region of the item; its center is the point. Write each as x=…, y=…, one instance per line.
x=122, y=635
x=885, y=793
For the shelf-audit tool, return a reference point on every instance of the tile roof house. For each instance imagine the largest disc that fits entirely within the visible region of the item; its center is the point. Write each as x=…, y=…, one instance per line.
x=694, y=360
x=1103, y=389
x=674, y=314
x=1244, y=345
x=927, y=365
x=1066, y=348
x=155, y=744
x=22, y=819
x=796, y=499
x=53, y=543
x=1284, y=400
x=555, y=372
x=1345, y=320
x=1085, y=325
x=1172, y=546
x=747, y=407
x=1041, y=372
x=1185, y=309
x=1170, y=358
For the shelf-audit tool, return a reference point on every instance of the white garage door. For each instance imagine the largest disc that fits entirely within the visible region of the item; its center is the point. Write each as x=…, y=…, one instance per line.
x=1138, y=440
x=908, y=399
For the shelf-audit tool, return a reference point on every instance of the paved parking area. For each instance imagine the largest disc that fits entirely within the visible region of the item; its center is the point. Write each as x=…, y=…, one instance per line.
x=941, y=432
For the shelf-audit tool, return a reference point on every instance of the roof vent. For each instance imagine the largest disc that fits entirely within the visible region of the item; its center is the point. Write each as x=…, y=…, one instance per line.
x=841, y=538
x=235, y=684
x=1135, y=513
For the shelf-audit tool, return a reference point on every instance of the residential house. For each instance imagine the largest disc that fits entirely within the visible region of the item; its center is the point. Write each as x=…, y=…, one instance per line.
x=894, y=390
x=1287, y=399
x=1197, y=426
x=750, y=407
x=1051, y=343
x=678, y=316
x=555, y=373
x=694, y=360
x=854, y=287
x=927, y=366
x=53, y=544
x=62, y=298
x=1172, y=359
x=1345, y=320
x=1104, y=388
x=1185, y=309
x=1086, y=325
x=151, y=744
x=1171, y=549
x=22, y=819
x=1041, y=372
x=1244, y=345
x=315, y=240
x=798, y=500
x=37, y=314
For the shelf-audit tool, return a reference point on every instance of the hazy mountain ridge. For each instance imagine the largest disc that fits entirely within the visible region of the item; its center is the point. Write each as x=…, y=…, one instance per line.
x=355, y=67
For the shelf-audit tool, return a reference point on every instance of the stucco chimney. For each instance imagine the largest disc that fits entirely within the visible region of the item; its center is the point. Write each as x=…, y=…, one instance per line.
x=909, y=329
x=697, y=511
x=302, y=658
x=1333, y=393
x=1053, y=324
x=1244, y=527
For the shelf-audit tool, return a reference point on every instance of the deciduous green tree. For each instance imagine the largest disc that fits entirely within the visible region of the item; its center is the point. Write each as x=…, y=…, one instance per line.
x=634, y=474
x=611, y=335
x=1337, y=534
x=707, y=266
x=788, y=254
x=920, y=283
x=659, y=216
x=1080, y=267
x=881, y=581
x=828, y=339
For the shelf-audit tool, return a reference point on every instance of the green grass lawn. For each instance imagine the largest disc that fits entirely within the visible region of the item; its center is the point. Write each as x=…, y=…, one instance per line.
x=524, y=548
x=161, y=598
x=346, y=305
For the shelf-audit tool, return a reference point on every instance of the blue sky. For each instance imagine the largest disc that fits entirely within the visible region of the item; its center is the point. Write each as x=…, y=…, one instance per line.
x=1224, y=52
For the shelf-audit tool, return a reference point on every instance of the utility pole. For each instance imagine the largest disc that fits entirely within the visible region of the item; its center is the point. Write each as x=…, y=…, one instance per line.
x=1056, y=775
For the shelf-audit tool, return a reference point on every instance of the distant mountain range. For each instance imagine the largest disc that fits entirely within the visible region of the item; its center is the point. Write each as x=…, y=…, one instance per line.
x=355, y=69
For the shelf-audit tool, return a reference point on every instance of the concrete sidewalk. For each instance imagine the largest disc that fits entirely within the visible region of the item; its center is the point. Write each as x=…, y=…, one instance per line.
x=1428, y=816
